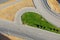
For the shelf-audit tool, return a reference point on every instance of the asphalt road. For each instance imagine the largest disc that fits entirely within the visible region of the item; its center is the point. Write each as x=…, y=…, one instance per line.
x=45, y=11
x=29, y=33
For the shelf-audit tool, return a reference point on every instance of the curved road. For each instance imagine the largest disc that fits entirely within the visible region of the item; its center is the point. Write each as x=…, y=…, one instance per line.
x=45, y=11
x=26, y=32
x=29, y=33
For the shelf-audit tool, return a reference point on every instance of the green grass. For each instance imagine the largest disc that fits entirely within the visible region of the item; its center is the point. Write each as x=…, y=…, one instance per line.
x=35, y=20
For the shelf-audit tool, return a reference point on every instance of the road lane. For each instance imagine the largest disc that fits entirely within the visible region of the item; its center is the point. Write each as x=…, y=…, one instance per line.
x=27, y=32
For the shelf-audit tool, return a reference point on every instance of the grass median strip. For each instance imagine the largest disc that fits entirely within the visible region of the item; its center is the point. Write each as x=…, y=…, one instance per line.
x=35, y=20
